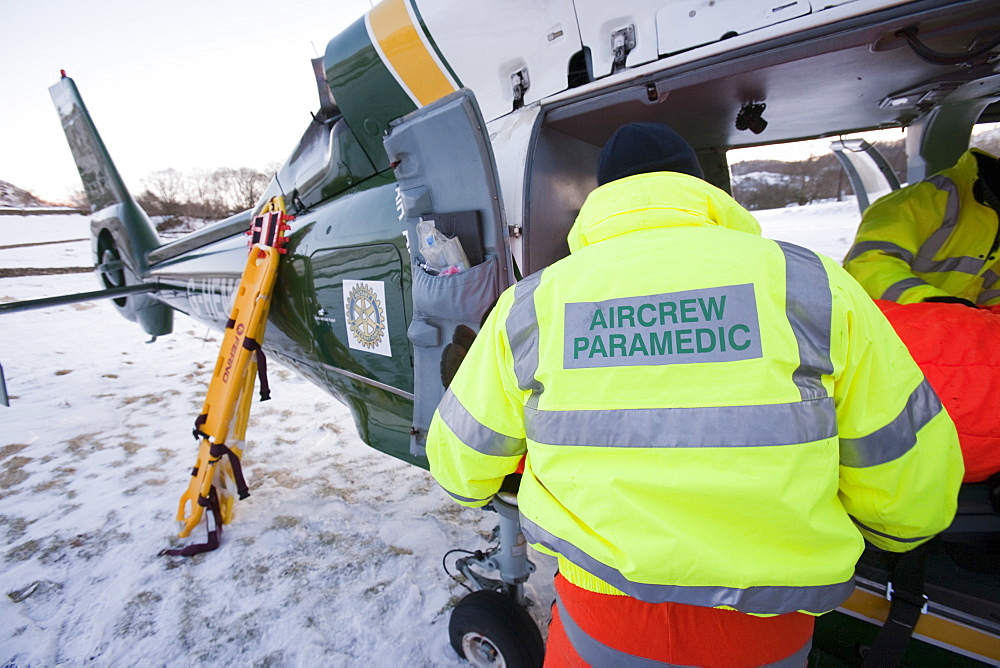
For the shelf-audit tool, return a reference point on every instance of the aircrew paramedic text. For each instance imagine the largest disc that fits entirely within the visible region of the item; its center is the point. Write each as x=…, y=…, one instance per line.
x=708, y=325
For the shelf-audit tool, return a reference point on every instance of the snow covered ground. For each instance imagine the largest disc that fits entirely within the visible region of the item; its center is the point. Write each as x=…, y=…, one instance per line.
x=334, y=560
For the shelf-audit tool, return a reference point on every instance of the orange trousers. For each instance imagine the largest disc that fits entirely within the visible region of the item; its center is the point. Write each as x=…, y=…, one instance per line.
x=590, y=629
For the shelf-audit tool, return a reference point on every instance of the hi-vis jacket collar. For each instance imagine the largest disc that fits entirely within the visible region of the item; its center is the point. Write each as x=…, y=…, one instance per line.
x=665, y=199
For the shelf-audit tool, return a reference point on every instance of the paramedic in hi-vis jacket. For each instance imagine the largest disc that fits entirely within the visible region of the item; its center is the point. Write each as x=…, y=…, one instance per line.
x=711, y=424
x=935, y=240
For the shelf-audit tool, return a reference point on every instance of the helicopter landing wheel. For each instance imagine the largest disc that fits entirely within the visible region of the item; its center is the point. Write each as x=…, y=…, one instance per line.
x=490, y=630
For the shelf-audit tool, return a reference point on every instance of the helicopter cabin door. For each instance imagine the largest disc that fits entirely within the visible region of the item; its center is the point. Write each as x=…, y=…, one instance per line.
x=870, y=174
x=449, y=197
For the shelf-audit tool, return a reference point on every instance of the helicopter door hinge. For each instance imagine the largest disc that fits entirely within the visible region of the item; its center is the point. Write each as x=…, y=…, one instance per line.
x=622, y=42
x=514, y=231
x=519, y=83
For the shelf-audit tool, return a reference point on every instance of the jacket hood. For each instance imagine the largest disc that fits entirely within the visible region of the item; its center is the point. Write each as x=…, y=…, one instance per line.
x=654, y=200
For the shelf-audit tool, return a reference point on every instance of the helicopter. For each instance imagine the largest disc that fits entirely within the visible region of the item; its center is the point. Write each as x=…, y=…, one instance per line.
x=487, y=124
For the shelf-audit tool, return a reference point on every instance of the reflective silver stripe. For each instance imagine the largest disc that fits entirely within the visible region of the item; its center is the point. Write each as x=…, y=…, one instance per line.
x=894, y=291
x=699, y=427
x=883, y=246
x=596, y=653
x=762, y=600
x=963, y=264
x=937, y=240
x=885, y=535
x=896, y=438
x=925, y=262
x=809, y=308
x=987, y=296
x=797, y=660
x=458, y=497
x=925, y=265
x=522, y=333
x=473, y=433
x=991, y=279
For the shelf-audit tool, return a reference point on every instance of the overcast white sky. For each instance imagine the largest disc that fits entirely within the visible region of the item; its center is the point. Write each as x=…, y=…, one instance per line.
x=184, y=84
x=170, y=83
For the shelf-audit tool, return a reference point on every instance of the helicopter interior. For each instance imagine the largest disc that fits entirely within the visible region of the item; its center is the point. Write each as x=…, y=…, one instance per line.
x=933, y=72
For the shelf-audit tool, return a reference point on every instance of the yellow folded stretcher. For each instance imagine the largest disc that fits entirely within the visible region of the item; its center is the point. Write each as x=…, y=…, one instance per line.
x=226, y=411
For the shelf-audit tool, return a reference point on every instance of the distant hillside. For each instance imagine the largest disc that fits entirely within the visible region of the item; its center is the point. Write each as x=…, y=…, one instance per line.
x=12, y=196
x=773, y=184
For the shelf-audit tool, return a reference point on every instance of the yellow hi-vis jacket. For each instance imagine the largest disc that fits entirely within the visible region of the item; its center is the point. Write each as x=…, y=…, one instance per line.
x=933, y=238
x=709, y=417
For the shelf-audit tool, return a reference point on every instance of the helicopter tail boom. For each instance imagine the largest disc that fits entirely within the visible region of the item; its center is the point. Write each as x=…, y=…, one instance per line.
x=121, y=232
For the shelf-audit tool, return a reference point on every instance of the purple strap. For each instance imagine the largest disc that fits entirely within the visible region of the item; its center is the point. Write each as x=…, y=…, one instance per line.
x=265, y=389
x=214, y=533
x=218, y=450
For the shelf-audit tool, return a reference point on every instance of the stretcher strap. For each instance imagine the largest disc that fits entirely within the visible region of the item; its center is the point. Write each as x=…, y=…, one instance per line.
x=198, y=421
x=214, y=533
x=254, y=347
x=217, y=451
x=906, y=580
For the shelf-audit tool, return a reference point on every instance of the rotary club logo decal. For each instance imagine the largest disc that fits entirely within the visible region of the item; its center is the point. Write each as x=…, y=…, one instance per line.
x=366, y=318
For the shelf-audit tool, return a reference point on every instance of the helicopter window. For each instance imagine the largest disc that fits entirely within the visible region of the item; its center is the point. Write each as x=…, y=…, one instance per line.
x=326, y=161
x=311, y=157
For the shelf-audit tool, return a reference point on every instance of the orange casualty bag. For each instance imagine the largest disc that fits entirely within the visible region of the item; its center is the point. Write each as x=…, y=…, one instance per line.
x=958, y=349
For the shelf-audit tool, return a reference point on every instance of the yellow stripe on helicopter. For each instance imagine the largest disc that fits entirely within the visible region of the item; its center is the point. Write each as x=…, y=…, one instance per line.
x=402, y=46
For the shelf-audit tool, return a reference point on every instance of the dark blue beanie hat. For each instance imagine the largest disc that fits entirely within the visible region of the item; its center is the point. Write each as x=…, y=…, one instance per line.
x=638, y=148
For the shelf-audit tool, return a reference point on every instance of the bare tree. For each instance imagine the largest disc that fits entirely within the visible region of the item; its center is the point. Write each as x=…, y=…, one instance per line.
x=204, y=199
x=223, y=181
x=150, y=203
x=167, y=187
x=78, y=200
x=249, y=184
